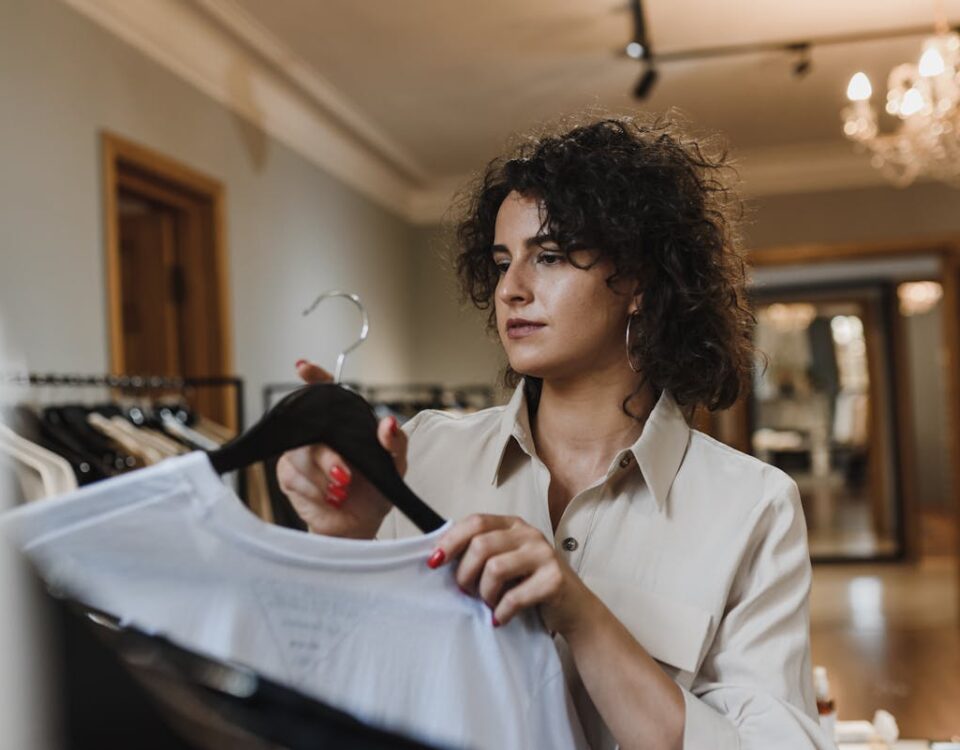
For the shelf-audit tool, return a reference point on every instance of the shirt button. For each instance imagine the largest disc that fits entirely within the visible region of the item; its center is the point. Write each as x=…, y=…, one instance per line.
x=570, y=544
x=625, y=461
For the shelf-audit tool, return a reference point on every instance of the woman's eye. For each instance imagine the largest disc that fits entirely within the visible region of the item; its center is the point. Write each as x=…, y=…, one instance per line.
x=502, y=266
x=550, y=259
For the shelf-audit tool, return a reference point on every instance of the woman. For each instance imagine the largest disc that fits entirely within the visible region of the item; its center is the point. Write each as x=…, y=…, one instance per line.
x=672, y=569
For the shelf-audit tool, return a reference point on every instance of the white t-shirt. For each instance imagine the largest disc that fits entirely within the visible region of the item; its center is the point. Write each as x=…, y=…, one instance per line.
x=364, y=625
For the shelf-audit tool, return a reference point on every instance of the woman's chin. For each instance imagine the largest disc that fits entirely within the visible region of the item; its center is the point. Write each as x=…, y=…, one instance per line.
x=532, y=368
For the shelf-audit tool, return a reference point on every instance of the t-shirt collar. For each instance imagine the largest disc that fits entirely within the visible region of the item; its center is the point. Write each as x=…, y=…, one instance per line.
x=658, y=451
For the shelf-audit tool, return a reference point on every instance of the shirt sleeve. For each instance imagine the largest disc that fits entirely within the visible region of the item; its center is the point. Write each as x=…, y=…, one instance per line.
x=755, y=688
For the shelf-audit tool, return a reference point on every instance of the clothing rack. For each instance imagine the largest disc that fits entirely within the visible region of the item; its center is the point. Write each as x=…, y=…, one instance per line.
x=142, y=383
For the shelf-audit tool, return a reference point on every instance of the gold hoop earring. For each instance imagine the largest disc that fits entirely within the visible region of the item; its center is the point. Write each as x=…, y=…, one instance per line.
x=629, y=358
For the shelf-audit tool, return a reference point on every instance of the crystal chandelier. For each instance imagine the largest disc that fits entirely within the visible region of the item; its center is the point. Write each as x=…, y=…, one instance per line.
x=925, y=97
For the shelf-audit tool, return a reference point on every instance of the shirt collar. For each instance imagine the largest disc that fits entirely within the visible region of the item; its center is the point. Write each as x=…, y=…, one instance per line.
x=658, y=451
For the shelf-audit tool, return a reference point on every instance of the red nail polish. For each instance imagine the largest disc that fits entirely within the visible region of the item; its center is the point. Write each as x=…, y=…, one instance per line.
x=340, y=475
x=463, y=590
x=333, y=501
x=394, y=426
x=300, y=362
x=437, y=558
x=496, y=622
x=338, y=492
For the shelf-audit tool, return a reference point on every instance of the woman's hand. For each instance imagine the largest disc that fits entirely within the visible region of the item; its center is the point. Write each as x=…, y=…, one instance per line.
x=325, y=492
x=512, y=566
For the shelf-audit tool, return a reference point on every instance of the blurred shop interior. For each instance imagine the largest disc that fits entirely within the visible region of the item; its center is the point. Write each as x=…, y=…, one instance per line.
x=182, y=180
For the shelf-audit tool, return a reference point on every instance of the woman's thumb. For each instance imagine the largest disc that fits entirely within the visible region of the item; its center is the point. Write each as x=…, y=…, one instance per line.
x=394, y=440
x=311, y=373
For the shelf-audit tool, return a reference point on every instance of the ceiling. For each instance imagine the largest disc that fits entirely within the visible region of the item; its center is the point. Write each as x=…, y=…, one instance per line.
x=436, y=86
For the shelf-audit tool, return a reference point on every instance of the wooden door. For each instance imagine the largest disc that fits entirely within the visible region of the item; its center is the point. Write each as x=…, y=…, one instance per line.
x=151, y=321
x=166, y=273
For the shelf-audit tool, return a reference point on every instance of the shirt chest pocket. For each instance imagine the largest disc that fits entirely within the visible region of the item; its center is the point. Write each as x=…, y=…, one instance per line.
x=673, y=632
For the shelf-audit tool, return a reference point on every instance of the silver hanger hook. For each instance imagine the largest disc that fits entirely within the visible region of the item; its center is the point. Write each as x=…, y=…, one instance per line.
x=364, y=329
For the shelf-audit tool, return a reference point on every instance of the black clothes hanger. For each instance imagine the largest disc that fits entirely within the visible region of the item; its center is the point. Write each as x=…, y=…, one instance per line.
x=75, y=418
x=330, y=414
x=57, y=437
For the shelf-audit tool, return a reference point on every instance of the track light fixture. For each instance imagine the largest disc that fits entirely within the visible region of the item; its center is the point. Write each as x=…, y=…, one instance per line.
x=646, y=82
x=803, y=62
x=639, y=49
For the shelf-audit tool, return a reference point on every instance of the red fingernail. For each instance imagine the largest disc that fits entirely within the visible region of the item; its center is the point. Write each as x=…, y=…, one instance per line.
x=334, y=501
x=340, y=475
x=394, y=426
x=300, y=362
x=437, y=558
x=338, y=492
x=496, y=622
x=463, y=590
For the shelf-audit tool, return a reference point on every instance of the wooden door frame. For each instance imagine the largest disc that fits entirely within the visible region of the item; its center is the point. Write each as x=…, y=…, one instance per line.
x=947, y=249
x=116, y=150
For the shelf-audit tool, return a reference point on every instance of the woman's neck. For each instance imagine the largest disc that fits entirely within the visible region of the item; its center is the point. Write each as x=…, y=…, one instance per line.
x=583, y=418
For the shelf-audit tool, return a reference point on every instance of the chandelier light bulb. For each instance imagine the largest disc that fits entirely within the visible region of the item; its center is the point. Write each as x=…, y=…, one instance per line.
x=931, y=63
x=912, y=102
x=925, y=97
x=859, y=89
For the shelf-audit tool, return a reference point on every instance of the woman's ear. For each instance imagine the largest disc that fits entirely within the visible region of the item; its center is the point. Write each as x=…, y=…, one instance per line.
x=635, y=303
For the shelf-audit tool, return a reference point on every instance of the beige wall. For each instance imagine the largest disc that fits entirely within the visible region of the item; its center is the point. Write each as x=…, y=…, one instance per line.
x=866, y=214
x=293, y=231
x=928, y=394
x=451, y=344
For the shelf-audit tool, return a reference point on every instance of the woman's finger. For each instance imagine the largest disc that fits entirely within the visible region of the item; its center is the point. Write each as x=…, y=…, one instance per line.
x=296, y=483
x=503, y=571
x=394, y=441
x=454, y=542
x=332, y=465
x=481, y=550
x=323, y=468
x=533, y=590
x=311, y=373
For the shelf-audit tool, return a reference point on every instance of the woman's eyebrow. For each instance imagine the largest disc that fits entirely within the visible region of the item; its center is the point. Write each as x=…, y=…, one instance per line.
x=531, y=242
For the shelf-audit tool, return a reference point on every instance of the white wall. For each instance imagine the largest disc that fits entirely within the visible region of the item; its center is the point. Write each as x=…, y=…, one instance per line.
x=292, y=230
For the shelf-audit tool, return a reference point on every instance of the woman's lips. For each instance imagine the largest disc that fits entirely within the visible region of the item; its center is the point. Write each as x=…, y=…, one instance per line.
x=519, y=331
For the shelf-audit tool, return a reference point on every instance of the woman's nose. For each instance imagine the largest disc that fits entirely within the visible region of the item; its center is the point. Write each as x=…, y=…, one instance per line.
x=514, y=286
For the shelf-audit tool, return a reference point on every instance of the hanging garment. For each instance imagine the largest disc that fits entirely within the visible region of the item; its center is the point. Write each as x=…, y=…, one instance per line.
x=363, y=625
x=123, y=437
x=54, y=472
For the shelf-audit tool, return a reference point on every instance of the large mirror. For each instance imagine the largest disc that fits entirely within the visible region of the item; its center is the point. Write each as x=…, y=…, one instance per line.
x=822, y=411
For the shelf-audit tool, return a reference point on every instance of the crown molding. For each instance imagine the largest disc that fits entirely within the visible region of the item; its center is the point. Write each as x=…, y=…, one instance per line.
x=258, y=38
x=199, y=50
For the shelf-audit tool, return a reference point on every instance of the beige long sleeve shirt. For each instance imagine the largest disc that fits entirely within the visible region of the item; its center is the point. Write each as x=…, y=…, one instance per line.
x=699, y=550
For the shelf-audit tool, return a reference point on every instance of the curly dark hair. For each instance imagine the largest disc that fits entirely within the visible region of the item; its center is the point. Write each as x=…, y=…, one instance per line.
x=654, y=202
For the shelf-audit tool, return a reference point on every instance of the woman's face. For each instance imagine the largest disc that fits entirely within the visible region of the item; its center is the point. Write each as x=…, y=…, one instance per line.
x=555, y=320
